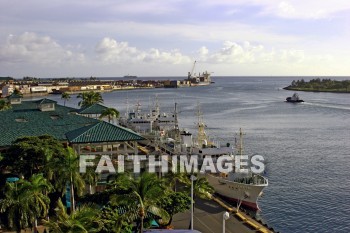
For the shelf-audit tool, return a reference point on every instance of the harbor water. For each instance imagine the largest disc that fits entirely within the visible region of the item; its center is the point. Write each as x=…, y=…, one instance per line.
x=306, y=146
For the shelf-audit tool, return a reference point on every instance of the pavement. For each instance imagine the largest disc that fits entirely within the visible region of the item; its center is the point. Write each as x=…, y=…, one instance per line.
x=208, y=218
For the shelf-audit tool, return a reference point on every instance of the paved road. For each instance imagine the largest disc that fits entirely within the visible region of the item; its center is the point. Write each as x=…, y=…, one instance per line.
x=208, y=219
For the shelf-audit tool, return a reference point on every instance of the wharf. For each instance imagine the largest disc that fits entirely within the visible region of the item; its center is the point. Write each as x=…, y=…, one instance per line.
x=208, y=217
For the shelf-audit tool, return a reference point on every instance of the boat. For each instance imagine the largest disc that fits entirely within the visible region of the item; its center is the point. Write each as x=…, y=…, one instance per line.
x=203, y=79
x=240, y=188
x=130, y=76
x=147, y=122
x=243, y=189
x=294, y=99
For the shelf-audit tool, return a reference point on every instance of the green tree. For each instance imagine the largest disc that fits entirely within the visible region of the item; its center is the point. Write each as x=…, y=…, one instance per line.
x=85, y=219
x=113, y=222
x=143, y=197
x=202, y=188
x=89, y=98
x=65, y=96
x=111, y=113
x=175, y=177
x=25, y=201
x=31, y=155
x=90, y=177
x=4, y=105
x=175, y=202
x=67, y=173
x=17, y=92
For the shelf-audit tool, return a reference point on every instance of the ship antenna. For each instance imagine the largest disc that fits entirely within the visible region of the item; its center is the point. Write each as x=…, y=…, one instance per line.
x=127, y=104
x=157, y=106
x=176, y=120
x=177, y=130
x=240, y=146
x=202, y=136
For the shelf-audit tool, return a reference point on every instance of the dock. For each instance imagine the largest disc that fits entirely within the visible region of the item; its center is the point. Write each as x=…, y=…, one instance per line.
x=208, y=217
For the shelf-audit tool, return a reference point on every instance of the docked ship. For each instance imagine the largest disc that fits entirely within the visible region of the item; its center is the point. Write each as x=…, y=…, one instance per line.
x=200, y=79
x=130, y=76
x=294, y=99
x=147, y=122
x=240, y=188
x=243, y=189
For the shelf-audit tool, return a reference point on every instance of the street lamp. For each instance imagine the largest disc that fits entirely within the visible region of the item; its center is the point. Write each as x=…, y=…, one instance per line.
x=225, y=216
x=193, y=178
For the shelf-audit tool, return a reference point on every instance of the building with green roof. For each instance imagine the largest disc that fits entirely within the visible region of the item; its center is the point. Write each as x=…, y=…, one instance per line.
x=96, y=109
x=45, y=116
x=88, y=136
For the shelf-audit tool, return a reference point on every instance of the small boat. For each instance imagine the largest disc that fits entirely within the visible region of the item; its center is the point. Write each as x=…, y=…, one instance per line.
x=294, y=99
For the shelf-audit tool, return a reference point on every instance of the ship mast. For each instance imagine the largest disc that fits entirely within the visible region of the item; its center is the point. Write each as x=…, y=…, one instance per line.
x=127, y=106
x=202, y=136
x=240, y=145
x=177, y=131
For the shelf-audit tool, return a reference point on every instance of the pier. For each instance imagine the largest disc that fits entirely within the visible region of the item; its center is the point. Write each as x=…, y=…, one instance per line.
x=208, y=217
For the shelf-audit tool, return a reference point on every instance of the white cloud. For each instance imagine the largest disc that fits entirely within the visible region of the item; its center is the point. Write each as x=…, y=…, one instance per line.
x=292, y=55
x=300, y=9
x=110, y=51
x=35, y=54
x=310, y=9
x=32, y=48
x=286, y=8
x=247, y=53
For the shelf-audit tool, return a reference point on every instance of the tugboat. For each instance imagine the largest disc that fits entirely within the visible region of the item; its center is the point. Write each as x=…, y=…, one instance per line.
x=294, y=99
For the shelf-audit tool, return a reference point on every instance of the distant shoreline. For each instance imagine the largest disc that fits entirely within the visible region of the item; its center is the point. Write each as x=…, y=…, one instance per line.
x=314, y=90
x=320, y=85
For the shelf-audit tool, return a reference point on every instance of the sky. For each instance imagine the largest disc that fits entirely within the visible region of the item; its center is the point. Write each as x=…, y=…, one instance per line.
x=113, y=38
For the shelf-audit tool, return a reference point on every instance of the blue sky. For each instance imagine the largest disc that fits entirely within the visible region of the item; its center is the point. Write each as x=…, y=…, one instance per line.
x=75, y=38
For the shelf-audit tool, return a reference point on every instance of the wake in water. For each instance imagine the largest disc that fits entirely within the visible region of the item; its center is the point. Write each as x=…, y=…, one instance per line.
x=323, y=105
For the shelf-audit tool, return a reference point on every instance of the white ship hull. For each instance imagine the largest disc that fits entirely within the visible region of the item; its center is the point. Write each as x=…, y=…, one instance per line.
x=235, y=191
x=200, y=84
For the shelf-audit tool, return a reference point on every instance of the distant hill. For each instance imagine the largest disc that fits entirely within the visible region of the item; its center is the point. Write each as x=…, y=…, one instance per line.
x=320, y=85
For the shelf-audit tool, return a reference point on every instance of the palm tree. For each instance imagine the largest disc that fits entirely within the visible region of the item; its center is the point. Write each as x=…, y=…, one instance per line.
x=65, y=96
x=25, y=201
x=67, y=173
x=17, y=92
x=111, y=113
x=89, y=98
x=90, y=177
x=202, y=188
x=174, y=177
x=143, y=196
x=84, y=220
x=112, y=221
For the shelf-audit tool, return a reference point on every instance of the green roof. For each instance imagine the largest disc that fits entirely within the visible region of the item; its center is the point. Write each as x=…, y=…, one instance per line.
x=14, y=96
x=45, y=101
x=26, y=119
x=93, y=109
x=102, y=132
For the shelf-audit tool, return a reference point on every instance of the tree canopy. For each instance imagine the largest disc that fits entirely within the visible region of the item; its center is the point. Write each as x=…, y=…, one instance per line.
x=89, y=98
x=322, y=85
x=30, y=155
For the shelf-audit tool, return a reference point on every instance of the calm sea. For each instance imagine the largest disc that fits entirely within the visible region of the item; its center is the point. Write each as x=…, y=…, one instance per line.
x=306, y=146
